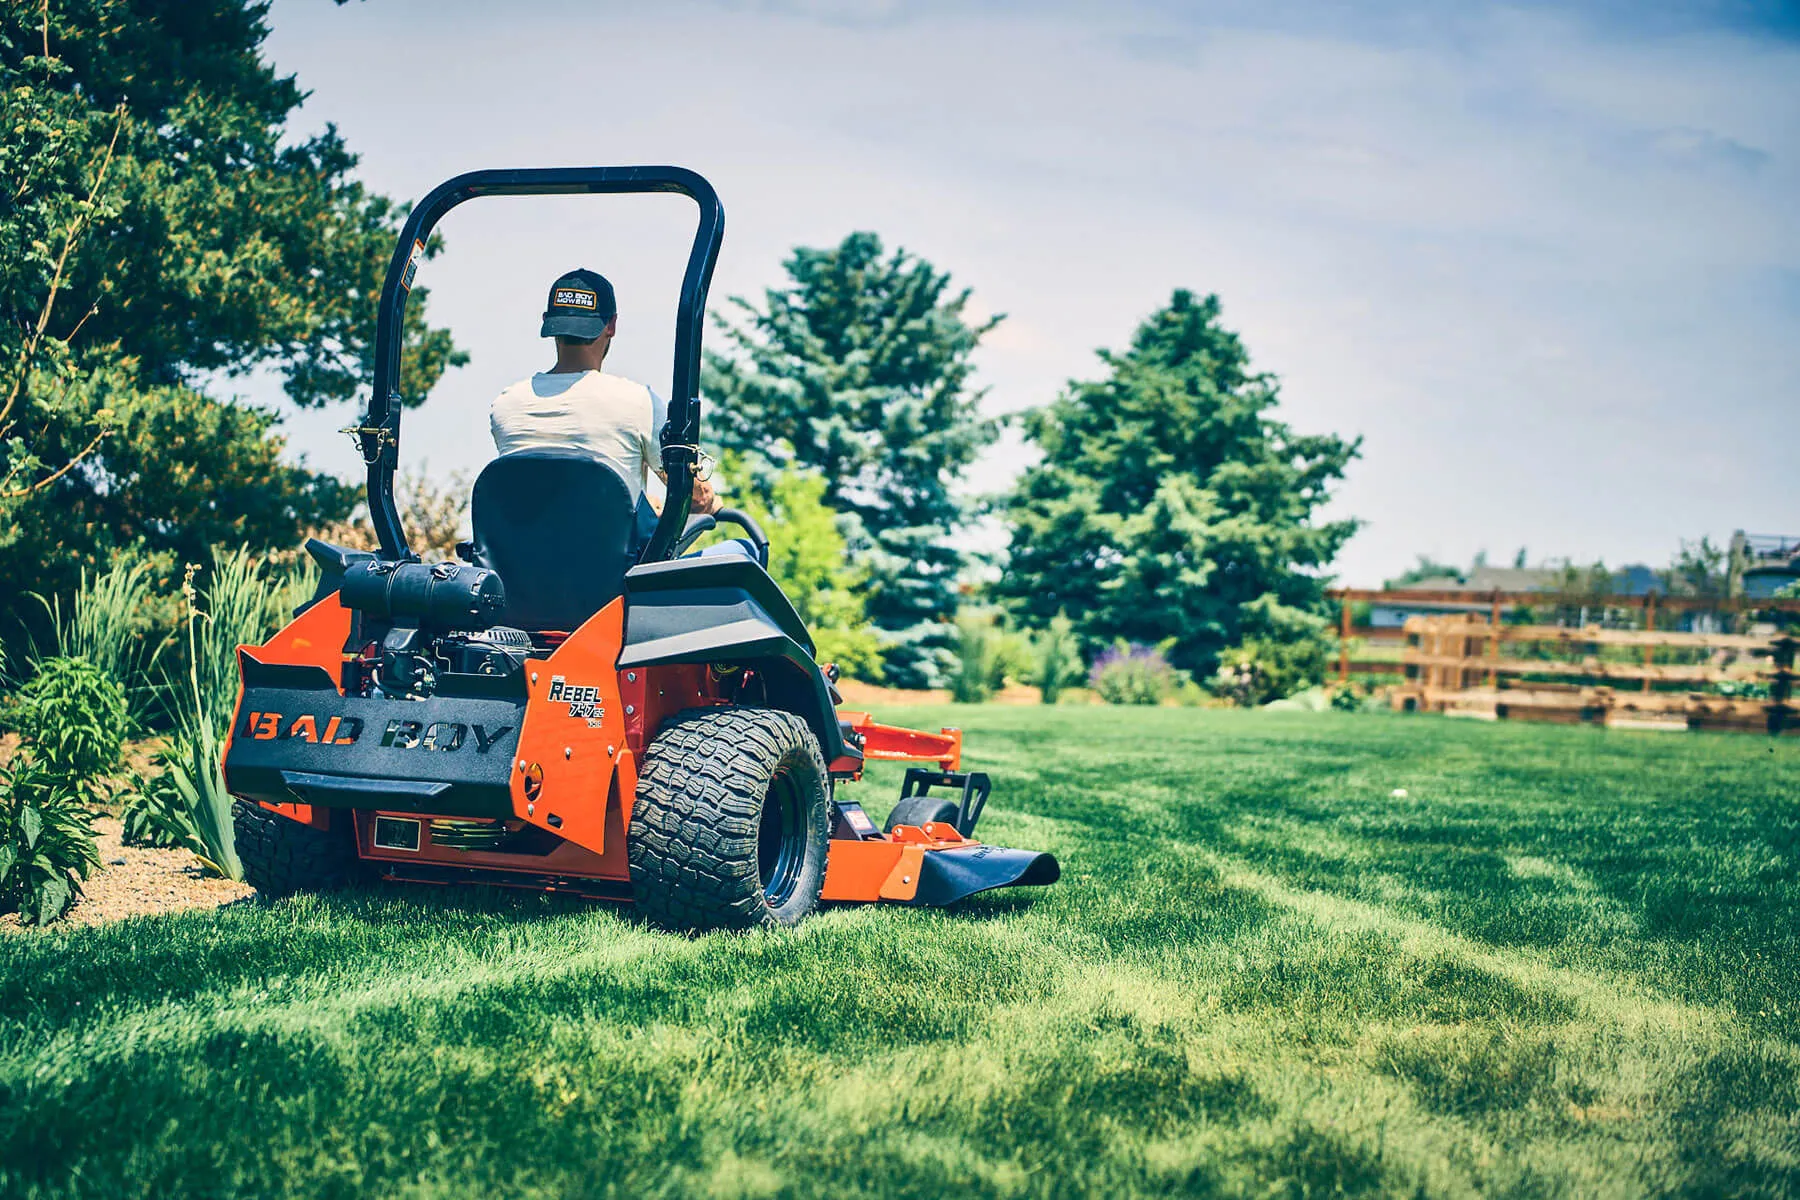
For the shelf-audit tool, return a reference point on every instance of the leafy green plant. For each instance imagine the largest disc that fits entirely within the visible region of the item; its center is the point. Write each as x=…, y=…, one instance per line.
x=1263, y=669
x=808, y=557
x=153, y=811
x=1057, y=654
x=1738, y=689
x=1129, y=673
x=46, y=840
x=73, y=717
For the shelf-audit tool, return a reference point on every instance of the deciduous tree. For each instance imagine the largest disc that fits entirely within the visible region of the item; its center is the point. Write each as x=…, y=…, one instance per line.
x=160, y=226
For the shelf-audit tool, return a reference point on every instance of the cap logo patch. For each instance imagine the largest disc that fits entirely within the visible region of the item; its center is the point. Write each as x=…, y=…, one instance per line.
x=577, y=298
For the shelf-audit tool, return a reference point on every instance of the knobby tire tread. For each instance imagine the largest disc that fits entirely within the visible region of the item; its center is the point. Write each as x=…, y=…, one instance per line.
x=693, y=842
x=281, y=856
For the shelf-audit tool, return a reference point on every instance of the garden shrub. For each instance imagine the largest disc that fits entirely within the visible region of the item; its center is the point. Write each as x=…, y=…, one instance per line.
x=46, y=840
x=1131, y=673
x=988, y=656
x=977, y=660
x=1264, y=669
x=74, y=718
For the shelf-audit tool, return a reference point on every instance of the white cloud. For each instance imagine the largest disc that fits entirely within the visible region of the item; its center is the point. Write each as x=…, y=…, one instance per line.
x=1546, y=269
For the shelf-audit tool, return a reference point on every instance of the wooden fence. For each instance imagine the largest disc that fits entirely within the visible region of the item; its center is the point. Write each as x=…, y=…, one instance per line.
x=1477, y=664
x=1468, y=666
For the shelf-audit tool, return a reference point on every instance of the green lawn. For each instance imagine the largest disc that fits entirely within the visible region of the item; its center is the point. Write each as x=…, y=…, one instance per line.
x=1564, y=963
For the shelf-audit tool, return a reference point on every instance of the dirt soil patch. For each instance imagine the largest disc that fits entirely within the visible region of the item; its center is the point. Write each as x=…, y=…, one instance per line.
x=134, y=880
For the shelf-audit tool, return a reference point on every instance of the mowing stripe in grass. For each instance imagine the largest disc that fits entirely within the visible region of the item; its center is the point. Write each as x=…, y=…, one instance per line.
x=1557, y=968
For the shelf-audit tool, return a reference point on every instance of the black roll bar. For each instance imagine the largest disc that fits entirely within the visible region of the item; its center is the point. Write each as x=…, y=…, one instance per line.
x=379, y=434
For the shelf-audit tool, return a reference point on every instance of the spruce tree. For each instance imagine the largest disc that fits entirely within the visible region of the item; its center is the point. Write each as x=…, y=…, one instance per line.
x=163, y=225
x=1170, y=503
x=859, y=367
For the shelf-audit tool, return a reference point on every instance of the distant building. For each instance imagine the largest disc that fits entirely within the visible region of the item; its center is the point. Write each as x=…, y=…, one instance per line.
x=1392, y=614
x=1637, y=580
x=1634, y=580
x=1763, y=564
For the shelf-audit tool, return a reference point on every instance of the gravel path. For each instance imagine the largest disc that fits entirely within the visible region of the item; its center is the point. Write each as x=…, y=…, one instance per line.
x=133, y=880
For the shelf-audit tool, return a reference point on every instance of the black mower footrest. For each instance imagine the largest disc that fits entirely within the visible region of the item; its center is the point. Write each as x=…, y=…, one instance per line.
x=973, y=785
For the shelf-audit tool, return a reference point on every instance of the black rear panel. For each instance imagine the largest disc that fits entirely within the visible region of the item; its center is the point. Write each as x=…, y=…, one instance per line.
x=298, y=740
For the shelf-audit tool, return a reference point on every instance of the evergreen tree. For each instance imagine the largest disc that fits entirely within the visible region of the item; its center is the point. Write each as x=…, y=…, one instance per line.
x=1170, y=504
x=160, y=224
x=859, y=368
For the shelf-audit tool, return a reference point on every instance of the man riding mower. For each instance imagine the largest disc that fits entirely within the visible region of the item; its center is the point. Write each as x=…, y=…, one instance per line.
x=576, y=706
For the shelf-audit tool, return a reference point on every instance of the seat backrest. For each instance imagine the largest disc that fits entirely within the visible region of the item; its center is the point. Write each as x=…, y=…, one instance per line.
x=558, y=527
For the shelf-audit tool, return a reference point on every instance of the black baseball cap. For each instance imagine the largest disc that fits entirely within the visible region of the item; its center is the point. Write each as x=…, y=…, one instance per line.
x=581, y=305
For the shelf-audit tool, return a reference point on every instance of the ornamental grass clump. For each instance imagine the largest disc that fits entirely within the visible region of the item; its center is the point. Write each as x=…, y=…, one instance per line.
x=1132, y=673
x=109, y=624
x=187, y=804
x=977, y=661
x=1057, y=657
x=244, y=600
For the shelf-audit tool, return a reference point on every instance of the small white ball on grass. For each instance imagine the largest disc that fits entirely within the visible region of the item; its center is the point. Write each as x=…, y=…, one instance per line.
x=1398, y=793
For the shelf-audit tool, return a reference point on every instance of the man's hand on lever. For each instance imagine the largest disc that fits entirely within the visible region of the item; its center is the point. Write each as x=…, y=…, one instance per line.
x=706, y=500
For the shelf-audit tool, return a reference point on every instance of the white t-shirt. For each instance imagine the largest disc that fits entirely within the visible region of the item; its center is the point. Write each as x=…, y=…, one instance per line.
x=617, y=421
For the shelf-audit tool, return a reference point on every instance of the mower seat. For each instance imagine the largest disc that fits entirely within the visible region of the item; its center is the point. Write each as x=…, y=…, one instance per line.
x=558, y=527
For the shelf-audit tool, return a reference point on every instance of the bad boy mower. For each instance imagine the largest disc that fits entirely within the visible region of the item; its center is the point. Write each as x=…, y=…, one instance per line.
x=564, y=710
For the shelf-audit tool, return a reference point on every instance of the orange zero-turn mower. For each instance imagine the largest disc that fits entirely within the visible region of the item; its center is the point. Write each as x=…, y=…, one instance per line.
x=564, y=709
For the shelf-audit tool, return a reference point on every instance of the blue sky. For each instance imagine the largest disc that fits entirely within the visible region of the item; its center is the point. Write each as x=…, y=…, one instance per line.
x=1545, y=259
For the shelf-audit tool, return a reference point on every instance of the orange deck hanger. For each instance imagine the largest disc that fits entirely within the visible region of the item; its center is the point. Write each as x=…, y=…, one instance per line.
x=891, y=743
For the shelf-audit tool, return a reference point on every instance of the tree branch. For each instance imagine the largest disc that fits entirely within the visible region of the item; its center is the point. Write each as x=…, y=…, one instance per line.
x=92, y=309
x=28, y=349
x=40, y=485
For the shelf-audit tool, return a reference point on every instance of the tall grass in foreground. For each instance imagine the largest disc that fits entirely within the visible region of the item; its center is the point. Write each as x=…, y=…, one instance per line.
x=246, y=599
x=107, y=624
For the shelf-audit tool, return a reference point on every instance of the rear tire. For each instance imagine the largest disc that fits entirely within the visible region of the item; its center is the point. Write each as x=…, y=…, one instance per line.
x=281, y=857
x=732, y=822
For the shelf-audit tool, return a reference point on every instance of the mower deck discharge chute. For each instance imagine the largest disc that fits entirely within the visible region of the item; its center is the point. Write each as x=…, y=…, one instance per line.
x=564, y=710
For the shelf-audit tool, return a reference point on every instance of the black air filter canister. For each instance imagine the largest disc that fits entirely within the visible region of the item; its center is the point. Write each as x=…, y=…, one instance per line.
x=438, y=595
